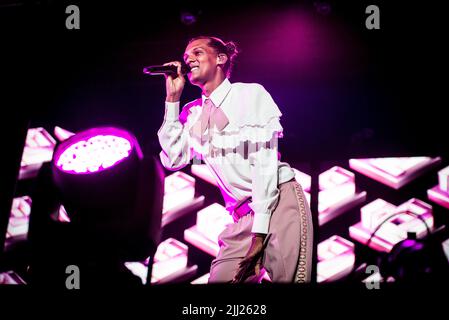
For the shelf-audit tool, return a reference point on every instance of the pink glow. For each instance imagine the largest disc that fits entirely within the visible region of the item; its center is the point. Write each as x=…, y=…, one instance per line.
x=335, y=258
x=94, y=154
x=170, y=258
x=393, y=172
x=394, y=230
x=303, y=41
x=179, y=191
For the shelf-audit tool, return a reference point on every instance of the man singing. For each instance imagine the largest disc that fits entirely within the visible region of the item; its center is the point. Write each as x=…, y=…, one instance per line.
x=234, y=128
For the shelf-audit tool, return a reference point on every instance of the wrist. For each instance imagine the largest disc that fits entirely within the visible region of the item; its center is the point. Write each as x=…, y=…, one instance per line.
x=172, y=99
x=259, y=235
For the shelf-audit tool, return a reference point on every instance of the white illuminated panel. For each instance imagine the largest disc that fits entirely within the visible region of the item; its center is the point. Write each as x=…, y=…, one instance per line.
x=443, y=179
x=179, y=191
x=395, y=229
x=39, y=146
x=210, y=222
x=202, y=280
x=62, y=134
x=375, y=212
x=196, y=238
x=337, y=193
x=170, y=259
x=62, y=215
x=445, y=246
x=394, y=171
x=336, y=185
x=19, y=217
x=438, y=196
x=10, y=278
x=335, y=259
x=440, y=193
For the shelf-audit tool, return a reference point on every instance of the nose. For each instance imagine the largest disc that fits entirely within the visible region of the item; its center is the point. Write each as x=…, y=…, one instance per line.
x=190, y=59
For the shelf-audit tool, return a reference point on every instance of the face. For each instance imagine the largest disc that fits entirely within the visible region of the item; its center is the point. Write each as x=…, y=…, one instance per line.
x=202, y=60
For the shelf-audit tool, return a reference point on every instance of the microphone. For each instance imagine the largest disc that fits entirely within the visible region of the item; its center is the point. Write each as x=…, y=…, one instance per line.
x=168, y=70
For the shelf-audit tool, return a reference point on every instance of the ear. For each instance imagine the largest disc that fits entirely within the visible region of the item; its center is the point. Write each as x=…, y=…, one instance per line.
x=222, y=59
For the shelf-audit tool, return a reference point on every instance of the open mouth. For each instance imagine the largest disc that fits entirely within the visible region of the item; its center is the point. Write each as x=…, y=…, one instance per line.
x=194, y=69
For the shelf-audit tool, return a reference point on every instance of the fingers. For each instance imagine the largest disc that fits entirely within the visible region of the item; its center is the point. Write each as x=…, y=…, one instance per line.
x=177, y=64
x=172, y=63
x=242, y=269
x=258, y=266
x=247, y=268
x=257, y=269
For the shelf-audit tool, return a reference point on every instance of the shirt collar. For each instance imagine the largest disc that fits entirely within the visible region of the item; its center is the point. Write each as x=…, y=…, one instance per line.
x=219, y=94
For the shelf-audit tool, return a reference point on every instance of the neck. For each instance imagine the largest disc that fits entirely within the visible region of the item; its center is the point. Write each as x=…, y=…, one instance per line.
x=210, y=86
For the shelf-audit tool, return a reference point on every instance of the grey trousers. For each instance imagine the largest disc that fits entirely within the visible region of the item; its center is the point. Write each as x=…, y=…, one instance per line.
x=288, y=255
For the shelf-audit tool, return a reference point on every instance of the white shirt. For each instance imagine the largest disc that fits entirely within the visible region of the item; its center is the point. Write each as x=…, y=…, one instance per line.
x=243, y=157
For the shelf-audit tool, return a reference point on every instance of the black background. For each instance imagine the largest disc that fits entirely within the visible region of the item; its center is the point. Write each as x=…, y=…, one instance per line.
x=344, y=90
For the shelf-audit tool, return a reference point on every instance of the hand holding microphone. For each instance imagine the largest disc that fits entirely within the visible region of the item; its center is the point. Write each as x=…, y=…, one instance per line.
x=174, y=72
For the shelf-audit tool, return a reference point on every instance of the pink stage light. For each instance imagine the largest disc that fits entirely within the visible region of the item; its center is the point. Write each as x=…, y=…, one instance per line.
x=395, y=171
x=92, y=154
x=335, y=259
x=395, y=229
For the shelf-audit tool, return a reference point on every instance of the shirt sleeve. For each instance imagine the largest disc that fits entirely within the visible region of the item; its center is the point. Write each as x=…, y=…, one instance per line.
x=265, y=192
x=174, y=139
x=264, y=163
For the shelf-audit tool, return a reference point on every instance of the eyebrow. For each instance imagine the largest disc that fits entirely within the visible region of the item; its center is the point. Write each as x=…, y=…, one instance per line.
x=194, y=48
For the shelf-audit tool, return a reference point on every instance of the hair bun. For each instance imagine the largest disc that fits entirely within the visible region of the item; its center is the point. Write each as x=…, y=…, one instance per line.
x=231, y=48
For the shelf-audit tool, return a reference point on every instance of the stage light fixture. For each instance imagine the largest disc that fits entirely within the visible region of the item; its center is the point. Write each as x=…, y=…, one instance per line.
x=96, y=172
x=112, y=194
